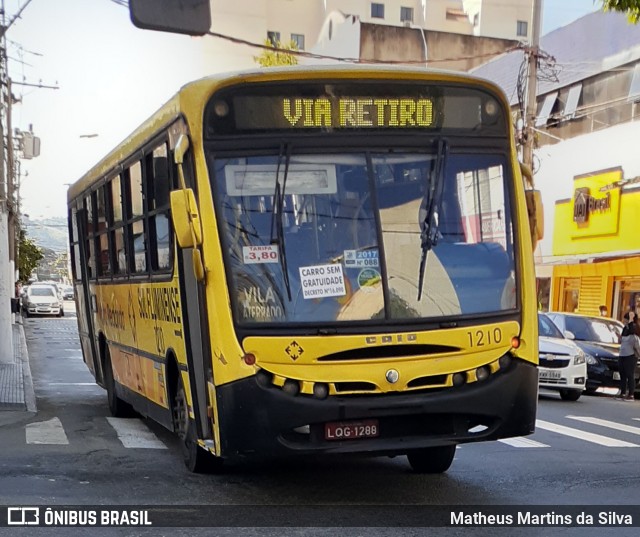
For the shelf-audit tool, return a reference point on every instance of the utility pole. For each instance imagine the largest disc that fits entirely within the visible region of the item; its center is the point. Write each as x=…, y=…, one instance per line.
x=532, y=85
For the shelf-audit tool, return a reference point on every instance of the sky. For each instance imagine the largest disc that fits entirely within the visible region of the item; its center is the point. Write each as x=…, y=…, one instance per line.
x=109, y=76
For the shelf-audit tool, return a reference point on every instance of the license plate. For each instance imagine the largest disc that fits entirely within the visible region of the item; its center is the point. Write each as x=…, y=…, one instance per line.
x=616, y=375
x=351, y=430
x=549, y=374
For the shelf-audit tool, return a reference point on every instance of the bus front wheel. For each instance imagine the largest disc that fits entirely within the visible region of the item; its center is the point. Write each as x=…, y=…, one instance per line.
x=196, y=459
x=433, y=460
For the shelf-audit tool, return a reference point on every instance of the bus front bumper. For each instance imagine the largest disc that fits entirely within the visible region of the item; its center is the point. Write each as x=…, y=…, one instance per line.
x=265, y=420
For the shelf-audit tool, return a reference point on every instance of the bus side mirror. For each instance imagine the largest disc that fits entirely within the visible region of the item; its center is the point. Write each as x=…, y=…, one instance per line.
x=185, y=218
x=191, y=17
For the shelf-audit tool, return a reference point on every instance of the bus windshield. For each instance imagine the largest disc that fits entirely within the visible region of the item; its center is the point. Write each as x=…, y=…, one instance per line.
x=344, y=237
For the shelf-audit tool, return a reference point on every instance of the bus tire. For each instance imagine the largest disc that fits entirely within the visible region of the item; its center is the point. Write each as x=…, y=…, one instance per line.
x=196, y=458
x=433, y=460
x=117, y=407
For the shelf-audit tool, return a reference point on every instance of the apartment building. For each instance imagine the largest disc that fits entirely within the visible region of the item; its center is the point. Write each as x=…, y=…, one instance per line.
x=302, y=21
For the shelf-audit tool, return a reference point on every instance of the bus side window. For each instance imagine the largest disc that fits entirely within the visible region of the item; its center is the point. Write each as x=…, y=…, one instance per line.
x=158, y=188
x=136, y=218
x=118, y=222
x=91, y=246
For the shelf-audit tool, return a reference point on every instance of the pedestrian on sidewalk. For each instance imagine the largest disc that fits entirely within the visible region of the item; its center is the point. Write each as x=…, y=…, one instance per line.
x=629, y=355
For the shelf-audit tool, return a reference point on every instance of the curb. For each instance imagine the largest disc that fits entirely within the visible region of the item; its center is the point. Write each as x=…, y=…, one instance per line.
x=29, y=391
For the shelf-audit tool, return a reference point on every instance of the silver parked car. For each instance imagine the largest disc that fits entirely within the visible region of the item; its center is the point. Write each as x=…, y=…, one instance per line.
x=562, y=364
x=42, y=299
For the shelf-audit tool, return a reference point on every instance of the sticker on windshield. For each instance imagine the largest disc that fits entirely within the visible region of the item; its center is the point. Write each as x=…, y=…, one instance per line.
x=252, y=255
x=321, y=281
x=368, y=278
x=361, y=258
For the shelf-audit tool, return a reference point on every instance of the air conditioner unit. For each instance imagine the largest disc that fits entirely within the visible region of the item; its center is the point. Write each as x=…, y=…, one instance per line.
x=407, y=24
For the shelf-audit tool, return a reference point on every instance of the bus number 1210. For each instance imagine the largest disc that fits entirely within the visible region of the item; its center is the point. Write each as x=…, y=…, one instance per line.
x=483, y=337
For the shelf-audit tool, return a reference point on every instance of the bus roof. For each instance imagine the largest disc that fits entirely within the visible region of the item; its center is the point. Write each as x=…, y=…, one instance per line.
x=190, y=100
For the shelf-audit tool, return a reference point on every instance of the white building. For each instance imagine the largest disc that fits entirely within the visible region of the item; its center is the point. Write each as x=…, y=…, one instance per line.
x=301, y=21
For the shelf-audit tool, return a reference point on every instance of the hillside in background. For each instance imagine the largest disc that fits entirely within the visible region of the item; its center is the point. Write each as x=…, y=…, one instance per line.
x=49, y=233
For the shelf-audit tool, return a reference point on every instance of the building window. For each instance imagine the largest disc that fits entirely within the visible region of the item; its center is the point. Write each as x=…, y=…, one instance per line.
x=298, y=39
x=573, y=98
x=406, y=14
x=546, y=110
x=634, y=88
x=377, y=11
x=476, y=19
x=521, y=29
x=274, y=38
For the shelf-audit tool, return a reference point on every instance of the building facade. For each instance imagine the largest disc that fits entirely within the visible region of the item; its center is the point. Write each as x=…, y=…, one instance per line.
x=302, y=21
x=586, y=163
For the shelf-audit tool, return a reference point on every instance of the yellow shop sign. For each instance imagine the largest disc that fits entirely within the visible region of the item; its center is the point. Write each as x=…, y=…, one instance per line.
x=596, y=204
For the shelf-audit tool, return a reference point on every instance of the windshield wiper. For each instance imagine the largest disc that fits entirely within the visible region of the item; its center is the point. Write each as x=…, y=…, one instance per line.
x=430, y=210
x=276, y=215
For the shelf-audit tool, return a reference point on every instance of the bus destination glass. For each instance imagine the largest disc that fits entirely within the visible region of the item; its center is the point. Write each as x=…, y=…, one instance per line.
x=333, y=107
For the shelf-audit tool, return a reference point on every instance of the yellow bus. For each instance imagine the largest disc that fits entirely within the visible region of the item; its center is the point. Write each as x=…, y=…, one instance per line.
x=314, y=261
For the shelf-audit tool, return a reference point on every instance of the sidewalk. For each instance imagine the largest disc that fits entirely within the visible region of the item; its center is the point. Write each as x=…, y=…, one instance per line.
x=16, y=383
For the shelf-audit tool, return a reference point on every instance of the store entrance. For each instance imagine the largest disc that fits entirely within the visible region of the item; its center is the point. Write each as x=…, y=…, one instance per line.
x=626, y=297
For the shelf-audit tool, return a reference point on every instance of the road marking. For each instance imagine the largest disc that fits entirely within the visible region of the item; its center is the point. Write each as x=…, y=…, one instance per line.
x=135, y=434
x=583, y=435
x=607, y=423
x=46, y=432
x=521, y=442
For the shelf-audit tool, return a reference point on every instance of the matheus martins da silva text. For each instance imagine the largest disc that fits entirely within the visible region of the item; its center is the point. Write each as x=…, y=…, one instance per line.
x=524, y=518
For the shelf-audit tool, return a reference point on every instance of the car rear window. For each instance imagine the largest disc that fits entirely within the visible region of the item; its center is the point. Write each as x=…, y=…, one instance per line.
x=42, y=291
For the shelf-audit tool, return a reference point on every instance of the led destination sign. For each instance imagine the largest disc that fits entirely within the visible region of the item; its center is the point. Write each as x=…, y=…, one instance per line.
x=359, y=112
x=381, y=106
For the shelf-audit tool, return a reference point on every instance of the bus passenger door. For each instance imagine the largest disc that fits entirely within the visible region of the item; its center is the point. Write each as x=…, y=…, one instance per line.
x=85, y=300
x=193, y=309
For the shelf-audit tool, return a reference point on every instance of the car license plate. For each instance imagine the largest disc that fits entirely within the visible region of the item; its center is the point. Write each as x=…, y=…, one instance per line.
x=351, y=430
x=616, y=375
x=549, y=374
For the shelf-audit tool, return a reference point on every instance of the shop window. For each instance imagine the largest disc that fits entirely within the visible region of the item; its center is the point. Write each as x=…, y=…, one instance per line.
x=629, y=297
x=570, y=294
x=543, y=287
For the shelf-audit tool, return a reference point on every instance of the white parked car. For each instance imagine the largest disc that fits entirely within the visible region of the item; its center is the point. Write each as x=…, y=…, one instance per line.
x=563, y=364
x=42, y=299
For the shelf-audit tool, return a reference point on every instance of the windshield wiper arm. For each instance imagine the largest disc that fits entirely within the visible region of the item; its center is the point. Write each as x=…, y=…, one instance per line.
x=430, y=224
x=276, y=215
